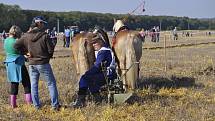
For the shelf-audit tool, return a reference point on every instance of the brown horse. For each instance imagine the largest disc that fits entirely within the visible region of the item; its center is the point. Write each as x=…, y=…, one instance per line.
x=83, y=52
x=128, y=50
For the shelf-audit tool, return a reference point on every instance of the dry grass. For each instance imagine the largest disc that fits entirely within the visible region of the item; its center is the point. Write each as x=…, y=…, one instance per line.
x=186, y=92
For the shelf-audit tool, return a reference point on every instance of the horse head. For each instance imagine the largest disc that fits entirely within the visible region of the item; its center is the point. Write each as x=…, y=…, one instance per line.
x=119, y=26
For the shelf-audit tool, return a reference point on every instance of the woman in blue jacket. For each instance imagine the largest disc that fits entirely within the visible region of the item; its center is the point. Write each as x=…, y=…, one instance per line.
x=15, y=66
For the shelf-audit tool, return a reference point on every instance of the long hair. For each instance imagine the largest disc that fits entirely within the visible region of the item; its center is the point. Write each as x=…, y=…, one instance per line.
x=15, y=31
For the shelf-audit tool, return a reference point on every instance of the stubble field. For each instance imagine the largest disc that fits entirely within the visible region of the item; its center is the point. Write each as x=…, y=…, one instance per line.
x=184, y=89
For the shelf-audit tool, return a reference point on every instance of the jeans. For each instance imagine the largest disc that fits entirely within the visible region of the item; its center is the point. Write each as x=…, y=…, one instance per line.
x=46, y=72
x=67, y=42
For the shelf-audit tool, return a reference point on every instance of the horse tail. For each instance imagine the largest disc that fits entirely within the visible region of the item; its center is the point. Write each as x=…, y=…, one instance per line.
x=138, y=43
x=90, y=54
x=75, y=46
x=130, y=59
x=82, y=60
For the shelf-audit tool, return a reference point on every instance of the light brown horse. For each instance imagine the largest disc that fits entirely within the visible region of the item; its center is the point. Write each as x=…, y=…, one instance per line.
x=128, y=51
x=83, y=52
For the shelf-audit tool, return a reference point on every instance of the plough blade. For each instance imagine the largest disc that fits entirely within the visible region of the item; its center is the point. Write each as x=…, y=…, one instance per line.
x=121, y=98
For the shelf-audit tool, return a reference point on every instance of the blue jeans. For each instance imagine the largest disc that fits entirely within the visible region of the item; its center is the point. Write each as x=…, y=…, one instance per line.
x=46, y=72
x=67, y=42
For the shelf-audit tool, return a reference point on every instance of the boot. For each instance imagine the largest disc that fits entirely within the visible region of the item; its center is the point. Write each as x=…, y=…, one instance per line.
x=28, y=98
x=13, y=101
x=80, y=101
x=97, y=99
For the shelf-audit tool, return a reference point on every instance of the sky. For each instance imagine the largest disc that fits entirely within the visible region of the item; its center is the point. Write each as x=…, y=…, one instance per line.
x=181, y=8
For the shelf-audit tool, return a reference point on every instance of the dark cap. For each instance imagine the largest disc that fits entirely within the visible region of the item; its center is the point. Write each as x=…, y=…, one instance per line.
x=96, y=38
x=39, y=19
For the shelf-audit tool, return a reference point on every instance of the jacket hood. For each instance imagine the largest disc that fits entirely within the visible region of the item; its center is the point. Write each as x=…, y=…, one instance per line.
x=38, y=33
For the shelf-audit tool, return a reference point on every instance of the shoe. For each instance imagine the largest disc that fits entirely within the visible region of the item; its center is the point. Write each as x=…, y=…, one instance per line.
x=13, y=101
x=97, y=99
x=37, y=108
x=57, y=108
x=28, y=98
x=79, y=102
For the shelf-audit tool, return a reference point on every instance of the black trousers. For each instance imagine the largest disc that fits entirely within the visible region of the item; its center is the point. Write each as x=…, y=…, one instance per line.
x=25, y=82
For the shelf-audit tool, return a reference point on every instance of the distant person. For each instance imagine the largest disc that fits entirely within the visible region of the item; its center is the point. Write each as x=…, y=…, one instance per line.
x=72, y=32
x=209, y=33
x=40, y=49
x=153, y=34
x=64, y=40
x=183, y=33
x=143, y=34
x=187, y=34
x=67, y=36
x=53, y=36
x=16, y=69
x=175, y=34
x=157, y=31
x=4, y=35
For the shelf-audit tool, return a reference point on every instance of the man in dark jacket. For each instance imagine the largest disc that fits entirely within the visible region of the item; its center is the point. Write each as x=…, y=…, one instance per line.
x=38, y=46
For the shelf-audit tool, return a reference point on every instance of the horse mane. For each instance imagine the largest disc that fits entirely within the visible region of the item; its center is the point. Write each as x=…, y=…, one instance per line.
x=80, y=35
x=132, y=32
x=103, y=35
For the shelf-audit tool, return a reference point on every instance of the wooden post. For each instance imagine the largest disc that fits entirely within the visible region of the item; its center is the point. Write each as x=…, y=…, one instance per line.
x=165, y=67
x=58, y=26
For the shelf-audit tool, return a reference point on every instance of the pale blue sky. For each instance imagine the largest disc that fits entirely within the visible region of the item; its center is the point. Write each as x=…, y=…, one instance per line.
x=189, y=8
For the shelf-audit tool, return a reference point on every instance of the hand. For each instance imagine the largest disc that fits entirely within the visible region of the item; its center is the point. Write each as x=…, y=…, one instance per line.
x=27, y=55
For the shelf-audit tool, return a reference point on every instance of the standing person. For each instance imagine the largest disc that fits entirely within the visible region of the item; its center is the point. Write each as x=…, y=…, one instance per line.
x=40, y=49
x=175, y=34
x=143, y=34
x=4, y=36
x=153, y=34
x=53, y=35
x=67, y=35
x=16, y=70
x=94, y=78
x=157, y=34
x=64, y=40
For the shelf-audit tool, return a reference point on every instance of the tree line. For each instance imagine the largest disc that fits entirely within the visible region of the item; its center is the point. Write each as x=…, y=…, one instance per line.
x=13, y=14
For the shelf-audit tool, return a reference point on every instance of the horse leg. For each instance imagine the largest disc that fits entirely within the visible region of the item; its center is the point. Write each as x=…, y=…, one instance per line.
x=123, y=72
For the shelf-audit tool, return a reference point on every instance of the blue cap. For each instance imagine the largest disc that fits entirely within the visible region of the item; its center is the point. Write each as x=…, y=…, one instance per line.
x=39, y=19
